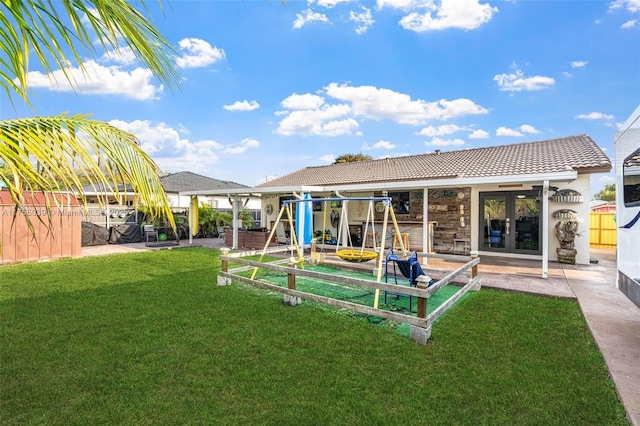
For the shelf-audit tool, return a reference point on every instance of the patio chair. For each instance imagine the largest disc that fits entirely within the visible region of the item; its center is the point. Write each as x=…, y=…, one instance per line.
x=281, y=235
x=221, y=236
x=150, y=231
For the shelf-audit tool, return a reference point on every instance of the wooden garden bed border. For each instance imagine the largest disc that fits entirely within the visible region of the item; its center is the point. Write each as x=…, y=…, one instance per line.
x=421, y=324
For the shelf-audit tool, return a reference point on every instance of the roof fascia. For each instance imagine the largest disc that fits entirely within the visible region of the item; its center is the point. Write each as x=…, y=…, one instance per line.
x=567, y=176
x=254, y=191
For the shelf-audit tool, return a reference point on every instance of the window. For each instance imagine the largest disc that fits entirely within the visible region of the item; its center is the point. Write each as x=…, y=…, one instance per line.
x=631, y=179
x=400, y=202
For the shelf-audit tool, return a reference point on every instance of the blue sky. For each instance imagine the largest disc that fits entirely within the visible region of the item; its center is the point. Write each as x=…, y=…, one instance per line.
x=271, y=88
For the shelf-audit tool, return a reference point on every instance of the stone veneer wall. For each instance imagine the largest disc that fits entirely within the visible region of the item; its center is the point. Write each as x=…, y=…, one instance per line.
x=444, y=208
x=451, y=208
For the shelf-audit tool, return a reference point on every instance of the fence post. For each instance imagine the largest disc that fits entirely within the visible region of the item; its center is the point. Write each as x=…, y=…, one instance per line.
x=474, y=271
x=419, y=334
x=291, y=285
x=224, y=267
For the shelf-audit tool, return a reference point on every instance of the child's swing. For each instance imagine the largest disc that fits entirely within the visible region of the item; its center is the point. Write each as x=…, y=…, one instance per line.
x=350, y=254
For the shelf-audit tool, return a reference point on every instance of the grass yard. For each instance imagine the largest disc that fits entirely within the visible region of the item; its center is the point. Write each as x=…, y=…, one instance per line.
x=148, y=338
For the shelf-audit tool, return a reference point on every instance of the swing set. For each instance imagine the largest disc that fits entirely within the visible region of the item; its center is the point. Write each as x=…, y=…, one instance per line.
x=344, y=245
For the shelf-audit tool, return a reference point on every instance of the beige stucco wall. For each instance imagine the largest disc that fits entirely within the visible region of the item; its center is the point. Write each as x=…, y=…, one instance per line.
x=581, y=184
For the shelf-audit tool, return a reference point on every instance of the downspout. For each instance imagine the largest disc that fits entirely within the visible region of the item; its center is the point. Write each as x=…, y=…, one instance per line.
x=545, y=229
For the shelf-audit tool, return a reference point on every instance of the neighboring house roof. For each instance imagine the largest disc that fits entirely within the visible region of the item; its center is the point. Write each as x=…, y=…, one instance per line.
x=597, y=203
x=578, y=153
x=187, y=181
x=103, y=188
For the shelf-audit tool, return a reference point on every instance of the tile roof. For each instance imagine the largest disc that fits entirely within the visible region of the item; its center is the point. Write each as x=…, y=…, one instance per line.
x=106, y=187
x=188, y=181
x=578, y=153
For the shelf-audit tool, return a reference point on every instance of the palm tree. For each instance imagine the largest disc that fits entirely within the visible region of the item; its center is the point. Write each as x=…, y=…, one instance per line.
x=46, y=153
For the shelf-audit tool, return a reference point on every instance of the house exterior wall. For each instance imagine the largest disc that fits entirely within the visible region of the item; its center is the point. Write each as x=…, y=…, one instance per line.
x=222, y=203
x=581, y=185
x=456, y=213
x=607, y=208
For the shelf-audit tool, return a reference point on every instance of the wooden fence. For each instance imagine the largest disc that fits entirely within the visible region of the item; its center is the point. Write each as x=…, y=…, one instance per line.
x=420, y=324
x=602, y=230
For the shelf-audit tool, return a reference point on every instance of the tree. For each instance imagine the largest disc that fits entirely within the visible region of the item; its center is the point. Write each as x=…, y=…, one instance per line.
x=351, y=158
x=607, y=194
x=44, y=153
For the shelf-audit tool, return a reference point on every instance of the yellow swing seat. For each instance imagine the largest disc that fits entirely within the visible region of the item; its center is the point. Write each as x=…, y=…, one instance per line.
x=356, y=256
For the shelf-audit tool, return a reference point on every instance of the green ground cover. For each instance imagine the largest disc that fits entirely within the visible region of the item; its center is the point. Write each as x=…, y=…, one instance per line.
x=397, y=302
x=148, y=338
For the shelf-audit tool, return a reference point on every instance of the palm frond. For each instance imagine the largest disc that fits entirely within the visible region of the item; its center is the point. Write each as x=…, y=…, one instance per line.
x=35, y=29
x=45, y=153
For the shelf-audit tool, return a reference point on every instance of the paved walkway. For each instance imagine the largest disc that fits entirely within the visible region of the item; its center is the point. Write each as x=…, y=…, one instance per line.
x=613, y=319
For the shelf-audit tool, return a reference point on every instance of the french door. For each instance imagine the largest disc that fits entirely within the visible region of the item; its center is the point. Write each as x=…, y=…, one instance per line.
x=510, y=222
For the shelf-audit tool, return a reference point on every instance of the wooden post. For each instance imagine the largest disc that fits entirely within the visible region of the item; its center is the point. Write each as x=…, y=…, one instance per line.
x=474, y=268
x=419, y=334
x=224, y=267
x=474, y=271
x=291, y=281
x=291, y=284
x=422, y=301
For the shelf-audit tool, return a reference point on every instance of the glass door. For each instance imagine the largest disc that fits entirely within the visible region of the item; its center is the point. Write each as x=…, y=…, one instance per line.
x=494, y=221
x=527, y=222
x=510, y=222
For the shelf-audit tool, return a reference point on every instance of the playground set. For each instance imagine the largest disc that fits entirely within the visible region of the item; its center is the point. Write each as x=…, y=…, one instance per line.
x=398, y=273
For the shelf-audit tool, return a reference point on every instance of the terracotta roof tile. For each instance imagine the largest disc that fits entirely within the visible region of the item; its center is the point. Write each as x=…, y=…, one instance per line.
x=578, y=153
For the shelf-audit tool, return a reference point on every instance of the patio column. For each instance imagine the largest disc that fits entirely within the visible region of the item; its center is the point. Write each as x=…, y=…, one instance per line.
x=236, y=209
x=545, y=229
x=190, y=220
x=425, y=225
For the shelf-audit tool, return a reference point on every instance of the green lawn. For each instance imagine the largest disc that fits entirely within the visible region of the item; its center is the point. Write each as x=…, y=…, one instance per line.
x=148, y=338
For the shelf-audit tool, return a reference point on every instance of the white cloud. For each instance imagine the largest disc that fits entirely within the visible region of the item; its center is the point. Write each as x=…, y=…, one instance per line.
x=463, y=14
x=629, y=24
x=311, y=115
x=371, y=102
x=99, y=79
x=517, y=82
x=445, y=142
x=242, y=106
x=123, y=56
x=479, y=134
x=329, y=120
x=525, y=128
x=595, y=116
x=567, y=74
x=329, y=158
x=632, y=6
x=378, y=145
x=328, y=3
x=306, y=101
x=505, y=131
x=578, y=64
x=198, y=53
x=363, y=20
x=308, y=16
x=169, y=150
x=398, y=4
x=445, y=129
x=242, y=147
